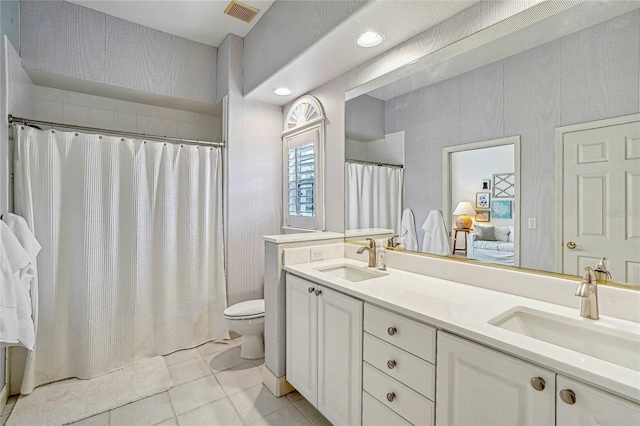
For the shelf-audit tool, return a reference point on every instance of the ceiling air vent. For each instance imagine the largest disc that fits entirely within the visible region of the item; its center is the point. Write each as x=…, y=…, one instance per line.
x=241, y=11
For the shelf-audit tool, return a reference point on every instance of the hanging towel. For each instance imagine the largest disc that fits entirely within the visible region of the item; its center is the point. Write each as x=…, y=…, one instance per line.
x=16, y=271
x=409, y=230
x=21, y=230
x=436, y=240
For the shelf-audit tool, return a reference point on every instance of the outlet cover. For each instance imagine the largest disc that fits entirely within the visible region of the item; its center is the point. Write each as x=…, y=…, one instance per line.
x=317, y=254
x=532, y=223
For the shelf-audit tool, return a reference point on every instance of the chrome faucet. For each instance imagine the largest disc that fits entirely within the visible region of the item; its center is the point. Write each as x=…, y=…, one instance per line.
x=372, y=252
x=588, y=291
x=601, y=269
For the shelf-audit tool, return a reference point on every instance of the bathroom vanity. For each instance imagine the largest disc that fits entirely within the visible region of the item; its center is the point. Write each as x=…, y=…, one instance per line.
x=394, y=347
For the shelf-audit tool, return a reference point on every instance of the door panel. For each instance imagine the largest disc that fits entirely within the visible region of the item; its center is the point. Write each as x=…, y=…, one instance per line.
x=476, y=385
x=339, y=357
x=302, y=332
x=601, y=193
x=593, y=407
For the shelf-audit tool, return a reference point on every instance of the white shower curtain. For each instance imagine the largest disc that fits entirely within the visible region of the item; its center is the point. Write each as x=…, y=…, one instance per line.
x=132, y=249
x=374, y=196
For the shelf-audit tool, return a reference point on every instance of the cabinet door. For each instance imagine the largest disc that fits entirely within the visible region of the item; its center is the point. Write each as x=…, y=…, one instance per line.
x=593, y=406
x=476, y=385
x=302, y=337
x=339, y=357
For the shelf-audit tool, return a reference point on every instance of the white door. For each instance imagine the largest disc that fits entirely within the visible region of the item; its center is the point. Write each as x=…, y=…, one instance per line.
x=339, y=357
x=592, y=406
x=601, y=193
x=476, y=385
x=302, y=337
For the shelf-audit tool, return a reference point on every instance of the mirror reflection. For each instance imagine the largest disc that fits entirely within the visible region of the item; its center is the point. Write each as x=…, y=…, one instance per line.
x=532, y=160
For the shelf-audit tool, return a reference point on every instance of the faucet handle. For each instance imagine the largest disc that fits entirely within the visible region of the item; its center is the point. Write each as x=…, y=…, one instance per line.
x=589, y=276
x=601, y=268
x=372, y=242
x=390, y=242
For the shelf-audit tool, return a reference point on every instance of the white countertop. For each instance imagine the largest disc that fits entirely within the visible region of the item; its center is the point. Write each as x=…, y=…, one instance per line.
x=302, y=236
x=465, y=310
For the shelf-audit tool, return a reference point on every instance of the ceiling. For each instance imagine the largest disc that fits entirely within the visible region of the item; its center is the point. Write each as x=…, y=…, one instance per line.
x=336, y=52
x=201, y=21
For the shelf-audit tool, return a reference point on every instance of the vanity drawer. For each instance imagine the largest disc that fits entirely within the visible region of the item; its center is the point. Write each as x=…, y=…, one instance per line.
x=374, y=413
x=408, y=403
x=408, y=369
x=410, y=335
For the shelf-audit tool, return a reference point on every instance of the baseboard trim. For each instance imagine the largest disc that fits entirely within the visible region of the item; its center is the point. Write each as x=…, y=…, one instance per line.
x=277, y=385
x=4, y=396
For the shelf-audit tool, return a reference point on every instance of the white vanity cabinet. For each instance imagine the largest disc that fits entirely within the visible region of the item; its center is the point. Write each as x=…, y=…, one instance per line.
x=477, y=385
x=324, y=349
x=481, y=386
x=581, y=404
x=398, y=369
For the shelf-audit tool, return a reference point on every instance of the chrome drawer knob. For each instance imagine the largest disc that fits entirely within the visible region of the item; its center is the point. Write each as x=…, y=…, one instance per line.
x=391, y=331
x=318, y=292
x=568, y=396
x=391, y=396
x=311, y=289
x=391, y=363
x=537, y=383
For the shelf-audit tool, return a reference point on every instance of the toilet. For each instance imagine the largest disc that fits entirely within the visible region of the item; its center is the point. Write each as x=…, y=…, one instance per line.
x=247, y=319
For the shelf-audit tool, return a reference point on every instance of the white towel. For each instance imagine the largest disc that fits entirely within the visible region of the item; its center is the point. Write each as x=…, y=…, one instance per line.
x=16, y=270
x=21, y=230
x=408, y=231
x=436, y=240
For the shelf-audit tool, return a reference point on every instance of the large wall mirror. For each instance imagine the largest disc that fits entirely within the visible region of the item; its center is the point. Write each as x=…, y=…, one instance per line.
x=529, y=160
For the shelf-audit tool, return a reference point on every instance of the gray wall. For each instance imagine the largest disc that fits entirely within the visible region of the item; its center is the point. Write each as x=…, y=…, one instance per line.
x=364, y=117
x=590, y=75
x=286, y=30
x=253, y=176
x=9, y=26
x=66, y=39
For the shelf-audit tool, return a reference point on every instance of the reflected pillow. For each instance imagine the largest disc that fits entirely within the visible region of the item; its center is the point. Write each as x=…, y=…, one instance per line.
x=485, y=233
x=511, y=232
x=501, y=233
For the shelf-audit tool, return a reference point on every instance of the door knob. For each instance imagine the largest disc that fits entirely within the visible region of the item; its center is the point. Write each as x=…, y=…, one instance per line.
x=568, y=396
x=571, y=245
x=390, y=364
x=311, y=289
x=537, y=383
x=318, y=292
x=391, y=331
x=391, y=396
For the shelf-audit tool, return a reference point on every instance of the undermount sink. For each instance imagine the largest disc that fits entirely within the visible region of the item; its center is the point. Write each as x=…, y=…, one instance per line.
x=616, y=346
x=351, y=273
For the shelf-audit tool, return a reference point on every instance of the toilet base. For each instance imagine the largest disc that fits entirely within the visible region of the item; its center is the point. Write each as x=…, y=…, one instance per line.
x=252, y=346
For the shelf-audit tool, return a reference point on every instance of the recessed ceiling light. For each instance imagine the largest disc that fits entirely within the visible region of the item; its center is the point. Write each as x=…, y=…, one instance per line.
x=282, y=91
x=369, y=39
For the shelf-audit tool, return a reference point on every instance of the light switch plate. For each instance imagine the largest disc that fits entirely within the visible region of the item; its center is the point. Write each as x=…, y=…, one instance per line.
x=532, y=223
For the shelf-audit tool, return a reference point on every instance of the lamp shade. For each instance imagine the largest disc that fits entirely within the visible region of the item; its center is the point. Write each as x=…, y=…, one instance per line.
x=464, y=207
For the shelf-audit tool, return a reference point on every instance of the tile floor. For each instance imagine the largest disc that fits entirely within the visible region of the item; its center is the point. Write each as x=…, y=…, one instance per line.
x=212, y=385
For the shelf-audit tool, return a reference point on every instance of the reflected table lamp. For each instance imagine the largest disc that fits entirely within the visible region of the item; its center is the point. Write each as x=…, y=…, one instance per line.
x=463, y=210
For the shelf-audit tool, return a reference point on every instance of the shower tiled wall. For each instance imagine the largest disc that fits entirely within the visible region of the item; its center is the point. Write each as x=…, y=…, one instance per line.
x=67, y=107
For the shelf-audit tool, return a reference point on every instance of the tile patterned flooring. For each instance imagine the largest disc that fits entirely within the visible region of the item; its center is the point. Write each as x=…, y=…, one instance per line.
x=212, y=385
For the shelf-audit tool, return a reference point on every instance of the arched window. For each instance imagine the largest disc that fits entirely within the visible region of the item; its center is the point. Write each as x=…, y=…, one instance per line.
x=303, y=149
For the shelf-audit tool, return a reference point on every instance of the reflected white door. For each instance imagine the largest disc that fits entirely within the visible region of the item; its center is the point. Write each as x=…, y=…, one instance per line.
x=601, y=193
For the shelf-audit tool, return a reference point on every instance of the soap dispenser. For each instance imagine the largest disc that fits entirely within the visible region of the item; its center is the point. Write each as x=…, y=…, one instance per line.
x=382, y=259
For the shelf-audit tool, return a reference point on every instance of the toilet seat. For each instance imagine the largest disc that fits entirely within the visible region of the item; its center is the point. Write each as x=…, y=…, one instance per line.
x=250, y=309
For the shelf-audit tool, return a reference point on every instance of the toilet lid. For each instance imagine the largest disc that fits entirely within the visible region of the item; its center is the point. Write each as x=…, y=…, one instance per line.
x=245, y=309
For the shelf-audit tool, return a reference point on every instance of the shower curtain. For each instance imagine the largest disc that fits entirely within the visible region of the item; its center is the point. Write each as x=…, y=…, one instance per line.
x=374, y=196
x=132, y=249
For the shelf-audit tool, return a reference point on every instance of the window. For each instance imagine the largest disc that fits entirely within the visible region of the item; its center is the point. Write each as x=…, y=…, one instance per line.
x=303, y=175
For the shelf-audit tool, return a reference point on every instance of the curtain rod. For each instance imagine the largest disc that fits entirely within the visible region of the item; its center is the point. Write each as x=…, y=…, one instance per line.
x=27, y=121
x=375, y=163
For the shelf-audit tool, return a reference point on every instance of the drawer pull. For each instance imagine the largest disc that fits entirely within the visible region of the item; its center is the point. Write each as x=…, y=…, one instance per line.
x=391, y=363
x=537, y=383
x=391, y=396
x=311, y=289
x=391, y=331
x=318, y=292
x=568, y=396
